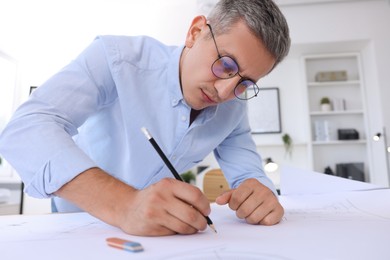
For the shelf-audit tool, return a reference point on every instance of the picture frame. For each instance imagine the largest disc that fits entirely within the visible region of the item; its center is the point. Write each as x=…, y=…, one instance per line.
x=264, y=111
x=32, y=88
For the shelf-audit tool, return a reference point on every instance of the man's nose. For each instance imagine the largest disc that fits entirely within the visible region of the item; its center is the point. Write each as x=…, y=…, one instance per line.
x=225, y=87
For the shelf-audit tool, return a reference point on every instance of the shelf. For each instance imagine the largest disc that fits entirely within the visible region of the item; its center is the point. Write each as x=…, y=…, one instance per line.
x=340, y=142
x=333, y=83
x=278, y=144
x=335, y=113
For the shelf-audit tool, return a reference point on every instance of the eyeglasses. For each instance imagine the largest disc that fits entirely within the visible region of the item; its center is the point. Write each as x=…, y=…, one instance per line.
x=225, y=67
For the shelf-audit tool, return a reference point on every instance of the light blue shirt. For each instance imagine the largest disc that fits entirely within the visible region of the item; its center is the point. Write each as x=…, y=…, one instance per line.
x=90, y=114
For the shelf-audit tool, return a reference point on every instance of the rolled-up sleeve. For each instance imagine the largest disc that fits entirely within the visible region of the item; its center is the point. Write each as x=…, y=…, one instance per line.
x=38, y=140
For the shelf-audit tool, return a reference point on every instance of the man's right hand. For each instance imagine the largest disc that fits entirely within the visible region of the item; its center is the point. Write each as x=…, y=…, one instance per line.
x=164, y=208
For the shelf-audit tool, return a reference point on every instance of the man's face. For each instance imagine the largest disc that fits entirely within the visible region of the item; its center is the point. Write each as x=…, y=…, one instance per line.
x=201, y=88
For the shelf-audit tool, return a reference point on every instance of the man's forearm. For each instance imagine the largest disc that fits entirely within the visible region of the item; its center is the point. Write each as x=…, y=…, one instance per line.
x=99, y=194
x=165, y=208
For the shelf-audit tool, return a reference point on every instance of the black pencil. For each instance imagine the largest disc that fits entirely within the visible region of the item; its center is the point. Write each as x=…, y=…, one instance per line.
x=170, y=166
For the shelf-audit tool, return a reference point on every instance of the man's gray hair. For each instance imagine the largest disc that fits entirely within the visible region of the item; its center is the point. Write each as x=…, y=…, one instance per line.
x=263, y=17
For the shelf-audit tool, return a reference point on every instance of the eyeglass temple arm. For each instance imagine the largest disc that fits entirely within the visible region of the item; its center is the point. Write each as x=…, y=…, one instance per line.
x=215, y=43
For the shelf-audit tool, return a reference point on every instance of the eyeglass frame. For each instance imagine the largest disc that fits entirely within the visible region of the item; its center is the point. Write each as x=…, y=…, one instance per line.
x=256, y=88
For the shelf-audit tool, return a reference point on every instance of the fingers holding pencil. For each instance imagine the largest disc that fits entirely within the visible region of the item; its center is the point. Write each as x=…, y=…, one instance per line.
x=162, y=209
x=188, y=206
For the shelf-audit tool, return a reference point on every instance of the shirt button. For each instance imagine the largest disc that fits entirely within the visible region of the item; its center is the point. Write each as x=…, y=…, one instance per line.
x=174, y=157
x=183, y=118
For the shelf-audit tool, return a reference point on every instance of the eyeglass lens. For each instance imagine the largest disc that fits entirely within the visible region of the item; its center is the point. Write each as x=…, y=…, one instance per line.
x=225, y=68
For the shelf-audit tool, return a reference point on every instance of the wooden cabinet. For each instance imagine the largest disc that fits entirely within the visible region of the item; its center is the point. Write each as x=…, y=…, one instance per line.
x=339, y=134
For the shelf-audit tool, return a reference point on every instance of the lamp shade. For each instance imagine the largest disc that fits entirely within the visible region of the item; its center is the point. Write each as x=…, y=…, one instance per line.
x=270, y=165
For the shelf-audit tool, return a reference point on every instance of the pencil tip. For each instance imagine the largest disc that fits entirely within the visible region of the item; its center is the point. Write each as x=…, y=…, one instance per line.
x=213, y=228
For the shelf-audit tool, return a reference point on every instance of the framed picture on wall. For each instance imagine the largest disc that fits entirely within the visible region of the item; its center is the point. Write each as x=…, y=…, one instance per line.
x=264, y=111
x=32, y=88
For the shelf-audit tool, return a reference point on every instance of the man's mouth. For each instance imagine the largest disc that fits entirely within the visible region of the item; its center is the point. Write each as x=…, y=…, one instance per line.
x=207, y=98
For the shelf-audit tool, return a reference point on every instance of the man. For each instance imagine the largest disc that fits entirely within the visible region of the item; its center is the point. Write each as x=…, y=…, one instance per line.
x=78, y=138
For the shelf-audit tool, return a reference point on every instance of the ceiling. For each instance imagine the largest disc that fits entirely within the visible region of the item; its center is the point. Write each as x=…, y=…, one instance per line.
x=305, y=2
x=208, y=4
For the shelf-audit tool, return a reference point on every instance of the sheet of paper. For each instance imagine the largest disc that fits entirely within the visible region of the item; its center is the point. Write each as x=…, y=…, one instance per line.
x=300, y=181
x=319, y=226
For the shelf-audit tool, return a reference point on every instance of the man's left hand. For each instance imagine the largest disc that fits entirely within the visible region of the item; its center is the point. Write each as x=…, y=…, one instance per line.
x=254, y=202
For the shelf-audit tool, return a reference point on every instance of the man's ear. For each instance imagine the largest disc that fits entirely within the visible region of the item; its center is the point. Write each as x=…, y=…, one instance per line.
x=197, y=25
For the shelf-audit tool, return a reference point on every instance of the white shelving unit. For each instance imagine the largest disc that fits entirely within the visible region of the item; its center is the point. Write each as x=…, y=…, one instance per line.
x=327, y=150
